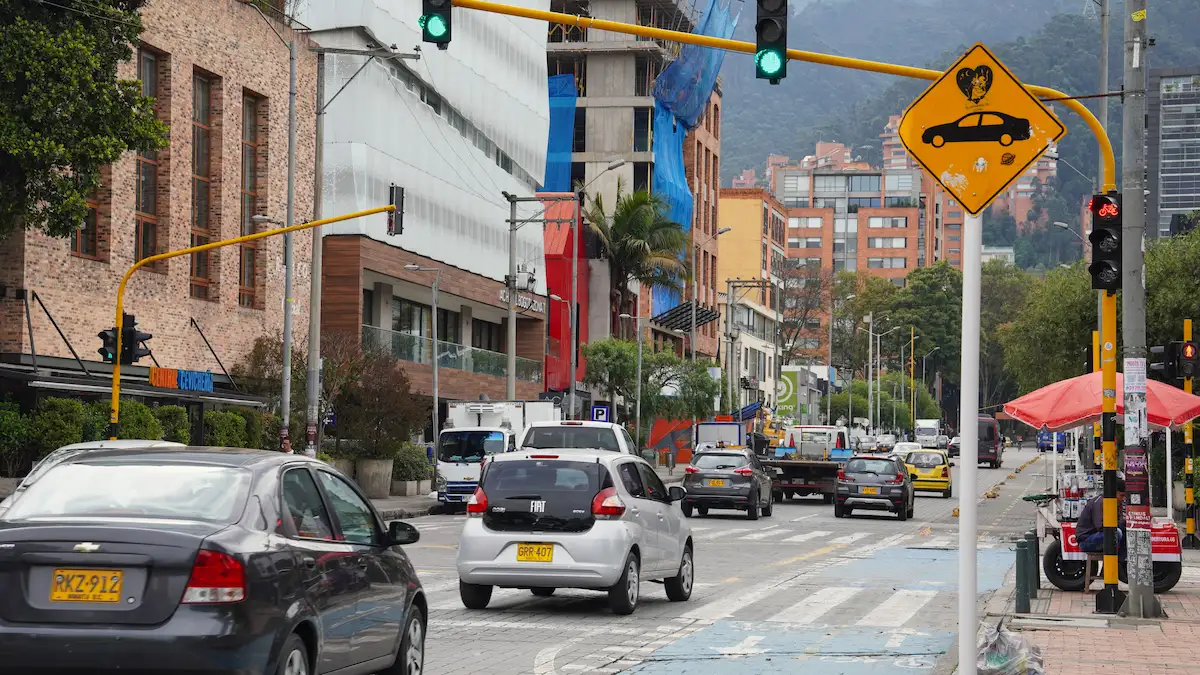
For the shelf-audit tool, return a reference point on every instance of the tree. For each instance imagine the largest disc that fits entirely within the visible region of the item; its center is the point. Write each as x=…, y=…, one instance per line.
x=805, y=298
x=641, y=244
x=931, y=303
x=63, y=112
x=380, y=410
x=611, y=367
x=1045, y=341
x=872, y=295
x=1004, y=291
x=999, y=227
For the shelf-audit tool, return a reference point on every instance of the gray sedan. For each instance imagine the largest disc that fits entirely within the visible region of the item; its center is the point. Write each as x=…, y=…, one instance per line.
x=728, y=479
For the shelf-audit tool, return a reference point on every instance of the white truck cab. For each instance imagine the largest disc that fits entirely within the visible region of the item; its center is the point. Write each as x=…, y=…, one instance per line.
x=475, y=430
x=566, y=434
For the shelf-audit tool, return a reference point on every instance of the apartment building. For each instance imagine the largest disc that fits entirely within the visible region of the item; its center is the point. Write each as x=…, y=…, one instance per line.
x=1172, y=146
x=702, y=164
x=747, y=179
x=753, y=254
x=219, y=75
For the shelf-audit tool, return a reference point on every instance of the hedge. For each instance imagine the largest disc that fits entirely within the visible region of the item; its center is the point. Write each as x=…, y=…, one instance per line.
x=254, y=426
x=175, y=424
x=138, y=422
x=56, y=422
x=411, y=463
x=224, y=429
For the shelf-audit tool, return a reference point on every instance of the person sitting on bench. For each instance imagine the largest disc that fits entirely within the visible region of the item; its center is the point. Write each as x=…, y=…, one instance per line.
x=1089, y=530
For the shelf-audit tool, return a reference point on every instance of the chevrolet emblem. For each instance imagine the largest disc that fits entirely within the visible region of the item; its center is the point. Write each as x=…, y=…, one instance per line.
x=87, y=547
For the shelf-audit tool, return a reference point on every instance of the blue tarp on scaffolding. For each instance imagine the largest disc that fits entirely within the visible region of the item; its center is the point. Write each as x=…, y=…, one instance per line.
x=562, y=133
x=670, y=182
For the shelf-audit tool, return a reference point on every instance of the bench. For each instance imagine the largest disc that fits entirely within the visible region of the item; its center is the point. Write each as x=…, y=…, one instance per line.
x=1088, y=578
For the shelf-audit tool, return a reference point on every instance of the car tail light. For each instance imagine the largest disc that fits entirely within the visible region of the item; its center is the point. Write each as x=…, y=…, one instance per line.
x=607, y=504
x=691, y=469
x=744, y=471
x=945, y=472
x=477, y=504
x=841, y=474
x=897, y=480
x=217, y=578
x=543, y=457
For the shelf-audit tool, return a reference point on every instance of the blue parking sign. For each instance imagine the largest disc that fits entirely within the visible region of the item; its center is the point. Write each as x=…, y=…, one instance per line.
x=601, y=413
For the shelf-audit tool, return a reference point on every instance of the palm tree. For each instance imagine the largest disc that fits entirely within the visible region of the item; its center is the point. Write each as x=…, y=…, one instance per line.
x=641, y=244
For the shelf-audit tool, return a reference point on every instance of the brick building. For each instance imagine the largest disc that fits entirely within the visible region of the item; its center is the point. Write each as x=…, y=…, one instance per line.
x=219, y=75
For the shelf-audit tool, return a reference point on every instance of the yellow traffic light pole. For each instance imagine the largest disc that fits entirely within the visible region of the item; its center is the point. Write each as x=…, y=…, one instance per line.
x=1047, y=94
x=114, y=420
x=1189, y=485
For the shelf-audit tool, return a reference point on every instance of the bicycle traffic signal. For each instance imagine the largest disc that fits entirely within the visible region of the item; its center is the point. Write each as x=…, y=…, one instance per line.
x=108, y=345
x=1105, y=238
x=435, y=22
x=133, y=341
x=770, y=28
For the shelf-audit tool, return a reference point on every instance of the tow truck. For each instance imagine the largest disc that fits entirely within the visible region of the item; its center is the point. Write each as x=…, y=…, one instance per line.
x=808, y=461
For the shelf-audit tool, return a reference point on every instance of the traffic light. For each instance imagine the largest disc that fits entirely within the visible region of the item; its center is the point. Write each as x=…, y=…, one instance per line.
x=133, y=346
x=395, y=219
x=1169, y=367
x=770, y=28
x=1087, y=365
x=1189, y=360
x=435, y=22
x=108, y=346
x=1106, y=241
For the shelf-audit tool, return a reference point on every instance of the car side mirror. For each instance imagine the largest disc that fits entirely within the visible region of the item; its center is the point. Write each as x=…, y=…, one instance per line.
x=401, y=533
x=951, y=463
x=913, y=476
x=676, y=493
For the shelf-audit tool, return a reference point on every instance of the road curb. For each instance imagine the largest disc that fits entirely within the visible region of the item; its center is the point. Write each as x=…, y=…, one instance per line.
x=403, y=514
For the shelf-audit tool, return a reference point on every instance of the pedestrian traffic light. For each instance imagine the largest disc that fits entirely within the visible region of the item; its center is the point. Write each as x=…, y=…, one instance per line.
x=395, y=218
x=108, y=346
x=435, y=22
x=1189, y=360
x=1105, y=238
x=770, y=54
x=133, y=346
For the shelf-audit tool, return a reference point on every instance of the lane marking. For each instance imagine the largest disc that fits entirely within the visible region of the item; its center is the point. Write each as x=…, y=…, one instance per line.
x=898, y=609
x=816, y=605
x=763, y=534
x=810, y=554
x=726, y=605
x=796, y=520
x=851, y=538
x=806, y=536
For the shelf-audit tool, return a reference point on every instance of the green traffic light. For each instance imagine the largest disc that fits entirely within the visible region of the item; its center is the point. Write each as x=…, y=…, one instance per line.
x=435, y=25
x=769, y=61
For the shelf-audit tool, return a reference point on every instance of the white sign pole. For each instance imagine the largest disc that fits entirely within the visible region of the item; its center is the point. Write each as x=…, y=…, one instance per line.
x=968, y=619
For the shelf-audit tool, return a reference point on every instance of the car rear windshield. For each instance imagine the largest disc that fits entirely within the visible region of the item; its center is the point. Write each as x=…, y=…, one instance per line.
x=987, y=430
x=214, y=494
x=879, y=466
x=713, y=460
x=469, y=446
x=549, y=438
x=542, y=494
x=926, y=460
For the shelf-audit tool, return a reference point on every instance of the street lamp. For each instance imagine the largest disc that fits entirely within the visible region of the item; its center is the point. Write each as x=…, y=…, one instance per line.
x=637, y=430
x=437, y=281
x=696, y=284
x=832, y=310
x=879, y=373
x=923, y=363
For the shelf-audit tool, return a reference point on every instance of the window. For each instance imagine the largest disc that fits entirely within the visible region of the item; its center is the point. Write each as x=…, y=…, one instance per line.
x=829, y=183
x=812, y=242
x=795, y=183
x=631, y=478
x=146, y=171
x=304, y=513
x=201, y=280
x=883, y=221
x=900, y=203
x=897, y=182
x=887, y=263
x=886, y=242
x=248, y=263
x=487, y=335
x=449, y=326
x=642, y=128
x=579, y=139
x=864, y=183
x=356, y=521
x=853, y=204
x=84, y=240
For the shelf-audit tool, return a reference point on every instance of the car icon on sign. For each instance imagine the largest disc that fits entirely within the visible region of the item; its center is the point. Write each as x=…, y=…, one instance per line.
x=979, y=127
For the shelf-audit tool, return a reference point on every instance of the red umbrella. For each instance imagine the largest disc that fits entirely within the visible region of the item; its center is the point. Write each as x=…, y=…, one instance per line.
x=1077, y=401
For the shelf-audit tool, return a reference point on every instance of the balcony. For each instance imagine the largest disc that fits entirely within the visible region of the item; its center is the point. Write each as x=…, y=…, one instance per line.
x=417, y=349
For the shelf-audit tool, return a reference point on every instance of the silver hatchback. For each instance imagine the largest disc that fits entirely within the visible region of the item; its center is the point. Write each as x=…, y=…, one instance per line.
x=596, y=520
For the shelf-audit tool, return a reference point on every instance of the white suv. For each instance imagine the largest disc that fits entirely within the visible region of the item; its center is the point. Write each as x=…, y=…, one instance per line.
x=568, y=435
x=588, y=519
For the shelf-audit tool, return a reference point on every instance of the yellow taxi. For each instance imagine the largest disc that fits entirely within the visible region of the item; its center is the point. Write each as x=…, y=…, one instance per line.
x=930, y=471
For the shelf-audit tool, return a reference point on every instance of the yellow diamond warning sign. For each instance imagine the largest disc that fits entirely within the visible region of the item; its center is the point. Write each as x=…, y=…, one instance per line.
x=977, y=129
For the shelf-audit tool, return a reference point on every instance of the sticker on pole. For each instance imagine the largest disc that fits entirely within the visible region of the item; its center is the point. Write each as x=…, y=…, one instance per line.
x=977, y=128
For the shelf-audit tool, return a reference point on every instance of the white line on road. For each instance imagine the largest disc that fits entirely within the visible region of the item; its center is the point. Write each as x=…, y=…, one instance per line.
x=806, y=536
x=898, y=609
x=850, y=538
x=816, y=605
x=763, y=534
x=726, y=605
x=796, y=520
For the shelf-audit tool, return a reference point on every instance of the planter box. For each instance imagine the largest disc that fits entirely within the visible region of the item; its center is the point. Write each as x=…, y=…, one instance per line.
x=374, y=476
x=1178, y=502
x=424, y=487
x=346, y=466
x=411, y=488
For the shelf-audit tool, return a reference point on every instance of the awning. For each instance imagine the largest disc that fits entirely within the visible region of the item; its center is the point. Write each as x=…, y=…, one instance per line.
x=55, y=377
x=749, y=411
x=679, y=317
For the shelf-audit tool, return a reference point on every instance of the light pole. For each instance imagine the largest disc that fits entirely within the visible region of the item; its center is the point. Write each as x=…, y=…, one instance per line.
x=879, y=374
x=874, y=375
x=696, y=284
x=832, y=311
x=637, y=414
x=923, y=363
x=437, y=281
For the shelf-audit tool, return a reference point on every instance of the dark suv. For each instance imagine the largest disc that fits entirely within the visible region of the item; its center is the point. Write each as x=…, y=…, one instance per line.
x=991, y=444
x=875, y=482
x=727, y=478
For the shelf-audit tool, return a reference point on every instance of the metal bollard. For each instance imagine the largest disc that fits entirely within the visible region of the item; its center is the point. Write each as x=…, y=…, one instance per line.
x=1022, y=599
x=1035, y=569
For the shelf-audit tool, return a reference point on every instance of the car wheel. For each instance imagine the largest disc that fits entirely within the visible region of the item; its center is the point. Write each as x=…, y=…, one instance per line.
x=1006, y=140
x=474, y=596
x=752, y=507
x=779, y=496
x=902, y=513
x=770, y=507
x=687, y=510
x=294, y=657
x=839, y=511
x=623, y=596
x=912, y=508
x=410, y=660
x=702, y=510
x=937, y=141
x=947, y=493
x=679, y=587
x=542, y=592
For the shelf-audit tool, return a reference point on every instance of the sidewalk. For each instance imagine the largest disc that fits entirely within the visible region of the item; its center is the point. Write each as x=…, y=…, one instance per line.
x=1073, y=639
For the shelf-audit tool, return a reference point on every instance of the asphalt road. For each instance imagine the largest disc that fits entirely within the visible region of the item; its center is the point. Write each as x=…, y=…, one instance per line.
x=865, y=595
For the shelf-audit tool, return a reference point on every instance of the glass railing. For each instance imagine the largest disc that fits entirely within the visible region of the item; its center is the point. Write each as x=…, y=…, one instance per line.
x=417, y=349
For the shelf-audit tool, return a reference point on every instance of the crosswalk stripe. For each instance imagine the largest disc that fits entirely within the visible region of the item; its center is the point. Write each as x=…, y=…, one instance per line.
x=806, y=536
x=700, y=529
x=726, y=605
x=726, y=533
x=816, y=605
x=898, y=609
x=796, y=520
x=850, y=538
x=763, y=534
